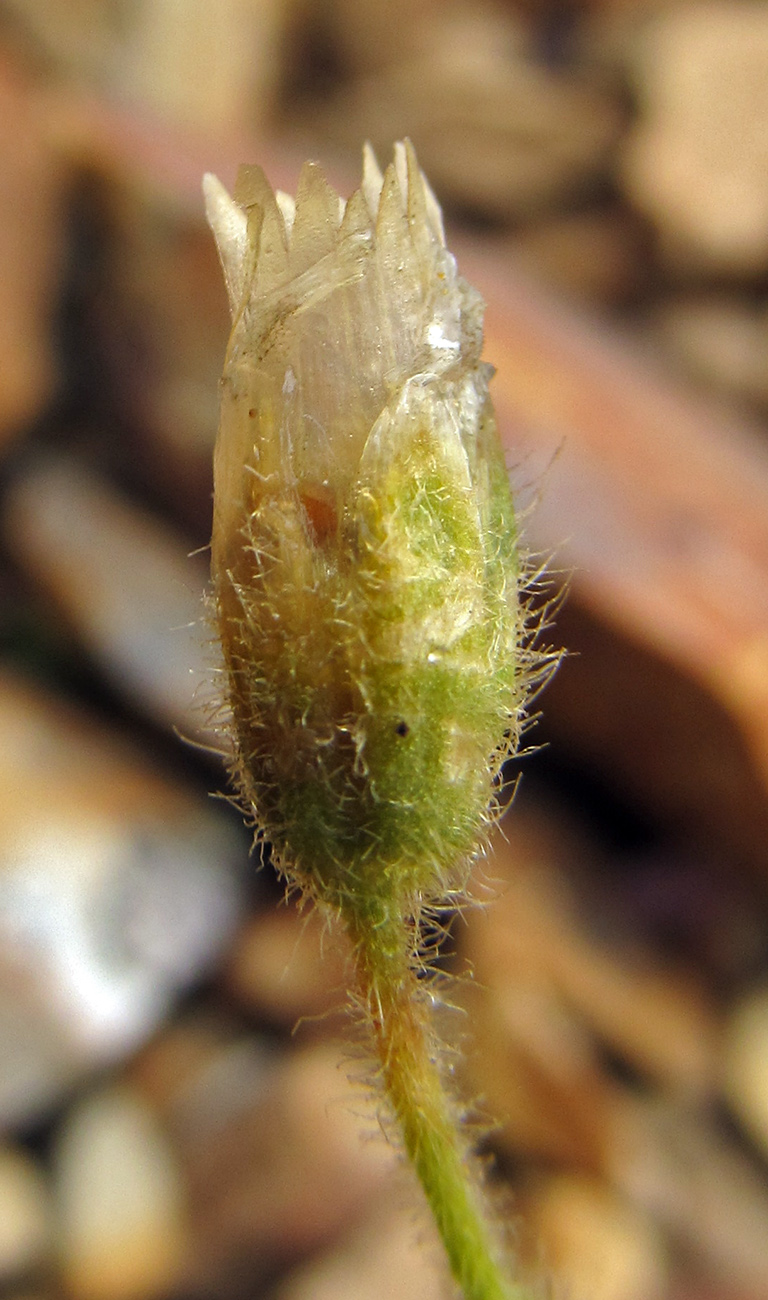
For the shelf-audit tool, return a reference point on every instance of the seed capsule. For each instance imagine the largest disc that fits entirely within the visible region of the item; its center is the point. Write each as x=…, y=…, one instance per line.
x=364, y=558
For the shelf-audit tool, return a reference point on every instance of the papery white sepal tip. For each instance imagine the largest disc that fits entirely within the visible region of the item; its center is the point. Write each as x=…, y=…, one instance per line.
x=287, y=206
x=401, y=167
x=230, y=229
x=373, y=179
x=434, y=212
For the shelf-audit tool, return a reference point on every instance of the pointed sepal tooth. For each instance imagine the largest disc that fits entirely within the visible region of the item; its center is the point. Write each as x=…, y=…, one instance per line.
x=403, y=283
x=316, y=224
x=266, y=228
x=418, y=219
x=357, y=218
x=230, y=230
x=391, y=224
x=401, y=167
x=434, y=211
x=252, y=189
x=372, y=180
x=287, y=206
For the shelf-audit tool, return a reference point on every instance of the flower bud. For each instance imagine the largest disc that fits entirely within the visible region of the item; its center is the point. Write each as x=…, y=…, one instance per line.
x=364, y=545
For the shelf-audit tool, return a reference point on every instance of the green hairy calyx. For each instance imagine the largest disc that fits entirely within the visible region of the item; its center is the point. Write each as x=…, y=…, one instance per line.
x=366, y=585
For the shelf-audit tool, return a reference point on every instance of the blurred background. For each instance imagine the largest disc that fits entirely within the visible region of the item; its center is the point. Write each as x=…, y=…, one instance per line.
x=180, y=1116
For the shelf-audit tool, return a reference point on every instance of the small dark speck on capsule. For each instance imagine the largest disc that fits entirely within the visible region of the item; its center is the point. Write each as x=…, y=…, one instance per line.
x=402, y=729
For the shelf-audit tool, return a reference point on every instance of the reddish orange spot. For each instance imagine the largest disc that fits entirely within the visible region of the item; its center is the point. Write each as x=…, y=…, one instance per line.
x=320, y=506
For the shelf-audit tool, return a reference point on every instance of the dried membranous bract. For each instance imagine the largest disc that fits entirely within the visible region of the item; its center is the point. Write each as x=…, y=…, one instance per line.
x=364, y=544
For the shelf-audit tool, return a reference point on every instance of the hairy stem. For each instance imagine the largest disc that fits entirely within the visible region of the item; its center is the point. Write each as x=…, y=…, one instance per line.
x=407, y=1048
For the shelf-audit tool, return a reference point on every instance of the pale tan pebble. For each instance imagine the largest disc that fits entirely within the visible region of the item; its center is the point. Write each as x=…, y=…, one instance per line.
x=697, y=160
x=226, y=64
x=609, y=31
x=659, y=1018
x=745, y=1064
x=32, y=233
x=393, y=1255
x=281, y=1152
x=160, y=343
x=181, y=1063
x=253, y=1123
x=126, y=583
x=117, y=889
x=121, y=1202
x=220, y=1091
x=706, y=1193
x=531, y=1060
x=222, y=74
x=720, y=339
x=291, y=967
x=25, y=1214
x=537, y=1077
x=496, y=130
x=592, y=1243
x=371, y=36
x=79, y=39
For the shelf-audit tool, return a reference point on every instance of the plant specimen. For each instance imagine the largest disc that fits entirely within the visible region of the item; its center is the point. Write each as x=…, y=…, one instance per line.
x=367, y=582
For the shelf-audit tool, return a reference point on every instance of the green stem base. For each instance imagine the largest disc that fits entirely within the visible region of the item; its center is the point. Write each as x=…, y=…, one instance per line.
x=407, y=1049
